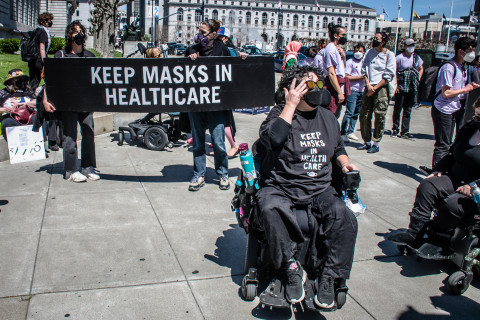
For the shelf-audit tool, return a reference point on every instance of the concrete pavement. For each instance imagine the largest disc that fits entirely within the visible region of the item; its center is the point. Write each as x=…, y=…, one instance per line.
x=138, y=245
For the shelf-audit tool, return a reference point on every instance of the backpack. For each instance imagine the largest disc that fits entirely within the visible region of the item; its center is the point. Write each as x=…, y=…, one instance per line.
x=428, y=83
x=29, y=46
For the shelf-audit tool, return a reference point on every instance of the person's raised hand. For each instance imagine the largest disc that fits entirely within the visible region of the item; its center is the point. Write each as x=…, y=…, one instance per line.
x=193, y=56
x=465, y=190
x=295, y=94
x=243, y=55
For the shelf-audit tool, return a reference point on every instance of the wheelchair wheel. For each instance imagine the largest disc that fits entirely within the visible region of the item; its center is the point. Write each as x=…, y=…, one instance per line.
x=249, y=291
x=341, y=299
x=155, y=138
x=121, y=137
x=458, y=282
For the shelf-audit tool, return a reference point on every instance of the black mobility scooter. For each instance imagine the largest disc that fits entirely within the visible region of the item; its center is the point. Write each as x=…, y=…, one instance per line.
x=258, y=269
x=155, y=133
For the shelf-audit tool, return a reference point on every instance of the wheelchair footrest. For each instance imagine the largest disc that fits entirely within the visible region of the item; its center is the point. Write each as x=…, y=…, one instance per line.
x=432, y=252
x=274, y=295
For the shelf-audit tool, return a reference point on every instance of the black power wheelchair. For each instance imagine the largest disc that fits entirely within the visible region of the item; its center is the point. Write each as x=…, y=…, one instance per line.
x=155, y=133
x=258, y=268
x=465, y=243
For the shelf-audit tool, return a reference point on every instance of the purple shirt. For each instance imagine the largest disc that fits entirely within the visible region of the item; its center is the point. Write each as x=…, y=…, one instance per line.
x=404, y=62
x=318, y=61
x=445, y=78
x=331, y=57
x=354, y=68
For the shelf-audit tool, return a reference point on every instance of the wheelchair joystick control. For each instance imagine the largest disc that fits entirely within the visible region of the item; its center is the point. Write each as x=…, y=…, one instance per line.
x=246, y=159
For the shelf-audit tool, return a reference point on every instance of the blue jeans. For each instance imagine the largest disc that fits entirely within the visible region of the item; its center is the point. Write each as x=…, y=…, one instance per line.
x=216, y=125
x=354, y=102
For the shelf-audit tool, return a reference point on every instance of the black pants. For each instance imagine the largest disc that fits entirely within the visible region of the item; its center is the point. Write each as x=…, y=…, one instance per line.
x=443, y=128
x=10, y=122
x=51, y=129
x=70, y=150
x=336, y=236
x=35, y=70
x=403, y=101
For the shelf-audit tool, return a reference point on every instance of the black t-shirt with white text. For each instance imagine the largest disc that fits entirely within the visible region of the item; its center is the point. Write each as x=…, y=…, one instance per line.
x=303, y=151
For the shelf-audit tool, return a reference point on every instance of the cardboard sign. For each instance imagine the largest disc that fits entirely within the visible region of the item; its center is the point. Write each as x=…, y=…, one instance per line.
x=159, y=85
x=24, y=144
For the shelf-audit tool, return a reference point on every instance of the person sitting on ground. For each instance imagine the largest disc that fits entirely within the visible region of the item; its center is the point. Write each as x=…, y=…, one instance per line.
x=16, y=94
x=293, y=132
x=447, y=189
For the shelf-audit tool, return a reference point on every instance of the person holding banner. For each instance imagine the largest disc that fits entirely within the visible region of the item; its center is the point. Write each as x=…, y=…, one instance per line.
x=75, y=36
x=208, y=44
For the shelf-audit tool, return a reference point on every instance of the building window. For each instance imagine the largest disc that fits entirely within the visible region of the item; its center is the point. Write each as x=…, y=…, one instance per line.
x=231, y=18
x=310, y=21
x=256, y=21
x=264, y=19
x=325, y=23
x=280, y=19
x=339, y=21
x=295, y=21
x=367, y=25
x=180, y=14
x=198, y=16
x=272, y=22
x=352, y=25
x=248, y=17
x=189, y=18
x=215, y=15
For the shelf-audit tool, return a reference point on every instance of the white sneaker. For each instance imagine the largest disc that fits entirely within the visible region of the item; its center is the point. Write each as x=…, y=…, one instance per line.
x=75, y=176
x=352, y=136
x=90, y=173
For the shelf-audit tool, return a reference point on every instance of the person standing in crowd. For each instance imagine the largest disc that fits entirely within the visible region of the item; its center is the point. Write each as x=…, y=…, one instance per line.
x=291, y=54
x=378, y=68
x=44, y=39
x=318, y=61
x=449, y=104
x=353, y=71
x=334, y=67
x=75, y=36
x=310, y=60
x=409, y=73
x=207, y=44
x=165, y=50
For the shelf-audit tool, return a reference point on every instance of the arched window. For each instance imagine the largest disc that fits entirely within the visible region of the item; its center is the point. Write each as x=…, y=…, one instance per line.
x=180, y=14
x=367, y=25
x=280, y=19
x=295, y=21
x=360, y=26
x=256, y=21
x=325, y=23
x=231, y=18
x=310, y=22
x=215, y=15
x=339, y=21
x=198, y=16
x=264, y=19
x=352, y=25
x=248, y=17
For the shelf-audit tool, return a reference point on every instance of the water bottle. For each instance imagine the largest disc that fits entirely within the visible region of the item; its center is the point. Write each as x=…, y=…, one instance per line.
x=475, y=191
x=246, y=159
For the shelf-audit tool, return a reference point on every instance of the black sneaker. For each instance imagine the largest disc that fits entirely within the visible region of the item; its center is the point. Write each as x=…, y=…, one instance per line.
x=373, y=149
x=296, y=277
x=426, y=169
x=364, y=147
x=408, y=136
x=325, y=297
x=395, y=133
x=403, y=238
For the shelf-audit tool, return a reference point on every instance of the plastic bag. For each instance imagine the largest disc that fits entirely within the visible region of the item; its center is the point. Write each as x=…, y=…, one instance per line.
x=353, y=202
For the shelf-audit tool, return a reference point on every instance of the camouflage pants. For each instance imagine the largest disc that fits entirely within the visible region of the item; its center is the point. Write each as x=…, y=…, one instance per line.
x=376, y=104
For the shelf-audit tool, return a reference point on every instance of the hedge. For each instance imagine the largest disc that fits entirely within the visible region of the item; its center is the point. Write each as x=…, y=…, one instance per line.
x=56, y=45
x=9, y=45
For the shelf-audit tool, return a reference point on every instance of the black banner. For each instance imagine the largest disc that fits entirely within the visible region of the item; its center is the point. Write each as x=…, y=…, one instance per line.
x=159, y=85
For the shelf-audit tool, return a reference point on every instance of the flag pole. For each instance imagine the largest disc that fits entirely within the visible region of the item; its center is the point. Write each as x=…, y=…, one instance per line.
x=396, y=34
x=449, y=25
x=411, y=20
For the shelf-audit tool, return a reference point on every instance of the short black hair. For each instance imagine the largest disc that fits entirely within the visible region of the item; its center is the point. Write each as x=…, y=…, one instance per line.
x=291, y=73
x=358, y=46
x=464, y=43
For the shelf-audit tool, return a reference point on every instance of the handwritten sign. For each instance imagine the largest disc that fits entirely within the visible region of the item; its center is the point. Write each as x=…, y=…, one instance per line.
x=159, y=85
x=24, y=144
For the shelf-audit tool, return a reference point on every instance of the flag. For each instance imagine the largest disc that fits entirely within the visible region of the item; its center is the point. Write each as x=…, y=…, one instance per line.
x=316, y=3
x=280, y=4
x=351, y=9
x=385, y=12
x=473, y=19
x=415, y=15
x=443, y=17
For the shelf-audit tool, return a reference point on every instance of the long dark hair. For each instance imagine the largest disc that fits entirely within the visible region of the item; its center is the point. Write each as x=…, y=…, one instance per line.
x=296, y=72
x=333, y=29
x=71, y=30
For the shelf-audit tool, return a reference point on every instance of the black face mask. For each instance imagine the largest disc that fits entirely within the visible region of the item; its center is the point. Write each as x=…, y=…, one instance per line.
x=342, y=41
x=49, y=24
x=375, y=43
x=317, y=97
x=79, y=39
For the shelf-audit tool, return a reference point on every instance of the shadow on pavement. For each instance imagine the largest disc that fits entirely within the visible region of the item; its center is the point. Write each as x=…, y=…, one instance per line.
x=401, y=168
x=458, y=307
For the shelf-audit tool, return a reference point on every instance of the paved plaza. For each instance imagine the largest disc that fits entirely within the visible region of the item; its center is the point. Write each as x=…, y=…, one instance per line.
x=138, y=245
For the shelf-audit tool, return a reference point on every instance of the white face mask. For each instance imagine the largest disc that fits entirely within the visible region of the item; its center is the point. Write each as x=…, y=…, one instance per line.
x=469, y=57
x=358, y=55
x=411, y=49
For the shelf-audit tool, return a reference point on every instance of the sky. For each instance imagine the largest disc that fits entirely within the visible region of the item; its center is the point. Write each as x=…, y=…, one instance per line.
x=422, y=7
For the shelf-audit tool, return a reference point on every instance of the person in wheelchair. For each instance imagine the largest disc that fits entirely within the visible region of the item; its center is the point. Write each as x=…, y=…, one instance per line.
x=303, y=139
x=447, y=189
